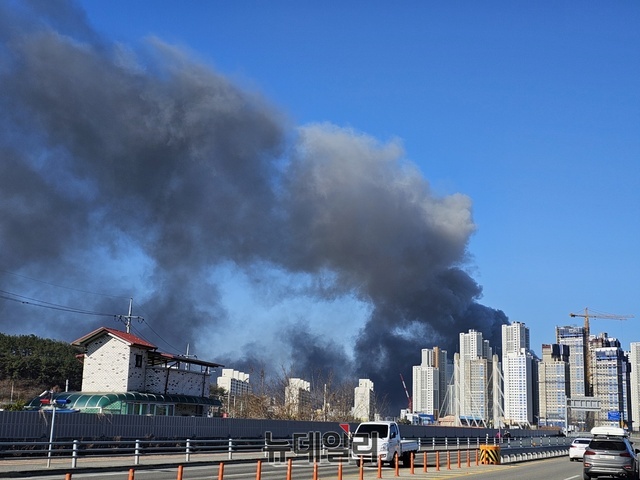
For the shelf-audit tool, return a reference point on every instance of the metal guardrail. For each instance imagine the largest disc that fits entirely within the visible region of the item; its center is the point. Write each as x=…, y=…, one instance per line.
x=79, y=449
x=440, y=443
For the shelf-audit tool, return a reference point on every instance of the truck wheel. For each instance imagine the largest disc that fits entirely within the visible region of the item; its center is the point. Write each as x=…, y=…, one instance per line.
x=406, y=459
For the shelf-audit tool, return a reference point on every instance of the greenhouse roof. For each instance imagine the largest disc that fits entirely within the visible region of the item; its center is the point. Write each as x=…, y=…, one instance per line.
x=87, y=400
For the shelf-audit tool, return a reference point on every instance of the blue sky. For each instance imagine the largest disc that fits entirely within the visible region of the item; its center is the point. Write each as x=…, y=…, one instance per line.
x=513, y=127
x=532, y=110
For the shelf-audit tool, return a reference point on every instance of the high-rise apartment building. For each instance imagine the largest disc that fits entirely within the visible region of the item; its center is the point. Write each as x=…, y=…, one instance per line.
x=515, y=337
x=611, y=381
x=575, y=338
x=475, y=380
x=363, y=399
x=430, y=382
x=517, y=371
x=554, y=385
x=427, y=382
x=634, y=361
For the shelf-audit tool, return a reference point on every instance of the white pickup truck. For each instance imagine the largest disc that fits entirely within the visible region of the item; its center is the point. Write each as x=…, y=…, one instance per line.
x=381, y=439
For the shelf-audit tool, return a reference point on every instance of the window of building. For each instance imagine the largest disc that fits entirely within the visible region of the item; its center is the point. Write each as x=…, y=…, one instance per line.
x=138, y=360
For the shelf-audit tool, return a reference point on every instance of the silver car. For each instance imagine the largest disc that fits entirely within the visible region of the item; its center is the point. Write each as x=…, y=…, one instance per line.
x=612, y=456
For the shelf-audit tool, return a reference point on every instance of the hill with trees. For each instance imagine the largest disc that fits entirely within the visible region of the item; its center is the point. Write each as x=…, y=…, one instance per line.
x=29, y=365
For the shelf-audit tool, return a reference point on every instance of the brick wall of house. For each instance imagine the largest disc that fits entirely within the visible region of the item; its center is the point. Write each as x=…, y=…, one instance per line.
x=174, y=381
x=137, y=370
x=106, y=366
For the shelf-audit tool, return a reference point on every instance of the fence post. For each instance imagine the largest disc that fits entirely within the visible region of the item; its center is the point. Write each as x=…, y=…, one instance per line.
x=433, y=443
x=74, y=455
x=137, y=453
x=446, y=443
x=187, y=456
x=230, y=448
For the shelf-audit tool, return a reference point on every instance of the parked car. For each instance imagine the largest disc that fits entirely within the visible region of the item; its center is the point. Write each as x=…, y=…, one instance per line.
x=577, y=448
x=610, y=454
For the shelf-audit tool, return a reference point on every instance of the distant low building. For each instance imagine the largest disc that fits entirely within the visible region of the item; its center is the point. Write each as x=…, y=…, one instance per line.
x=124, y=374
x=297, y=396
x=363, y=400
x=236, y=384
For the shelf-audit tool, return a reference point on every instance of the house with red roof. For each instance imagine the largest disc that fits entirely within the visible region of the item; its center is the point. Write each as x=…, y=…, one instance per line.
x=125, y=374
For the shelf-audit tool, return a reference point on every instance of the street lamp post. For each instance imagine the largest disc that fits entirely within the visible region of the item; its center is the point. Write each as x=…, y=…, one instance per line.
x=54, y=404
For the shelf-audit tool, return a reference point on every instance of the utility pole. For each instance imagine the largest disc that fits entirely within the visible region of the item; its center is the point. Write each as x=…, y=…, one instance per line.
x=126, y=319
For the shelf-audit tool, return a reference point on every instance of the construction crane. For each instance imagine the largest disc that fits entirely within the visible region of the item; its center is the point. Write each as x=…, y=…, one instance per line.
x=586, y=315
x=406, y=392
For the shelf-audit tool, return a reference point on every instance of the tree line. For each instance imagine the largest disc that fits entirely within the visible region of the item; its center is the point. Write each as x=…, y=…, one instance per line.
x=31, y=364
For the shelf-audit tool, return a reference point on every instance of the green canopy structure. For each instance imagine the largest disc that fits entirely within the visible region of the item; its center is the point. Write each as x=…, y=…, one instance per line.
x=133, y=403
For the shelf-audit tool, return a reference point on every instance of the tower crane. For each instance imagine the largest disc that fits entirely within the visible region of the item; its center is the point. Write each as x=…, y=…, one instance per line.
x=410, y=402
x=586, y=315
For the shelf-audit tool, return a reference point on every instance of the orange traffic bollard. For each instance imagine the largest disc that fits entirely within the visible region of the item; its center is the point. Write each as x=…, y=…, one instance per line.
x=221, y=471
x=132, y=474
x=289, y=468
x=476, y=457
x=437, y=461
x=448, y=460
x=67, y=476
x=361, y=473
x=379, y=466
x=425, y=462
x=412, y=454
x=315, y=470
x=339, y=469
x=180, y=468
x=259, y=470
x=397, y=462
x=468, y=458
x=458, y=458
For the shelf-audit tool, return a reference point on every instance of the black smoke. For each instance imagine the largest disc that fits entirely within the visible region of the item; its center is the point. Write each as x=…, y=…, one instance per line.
x=147, y=170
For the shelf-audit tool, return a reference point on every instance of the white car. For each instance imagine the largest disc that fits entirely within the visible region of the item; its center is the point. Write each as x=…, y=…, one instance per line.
x=577, y=448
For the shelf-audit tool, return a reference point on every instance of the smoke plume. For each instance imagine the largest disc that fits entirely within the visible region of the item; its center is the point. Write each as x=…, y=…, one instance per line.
x=146, y=171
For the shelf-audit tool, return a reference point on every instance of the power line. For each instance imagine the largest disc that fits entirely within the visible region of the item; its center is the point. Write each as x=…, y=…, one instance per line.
x=176, y=350
x=34, y=302
x=14, y=297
